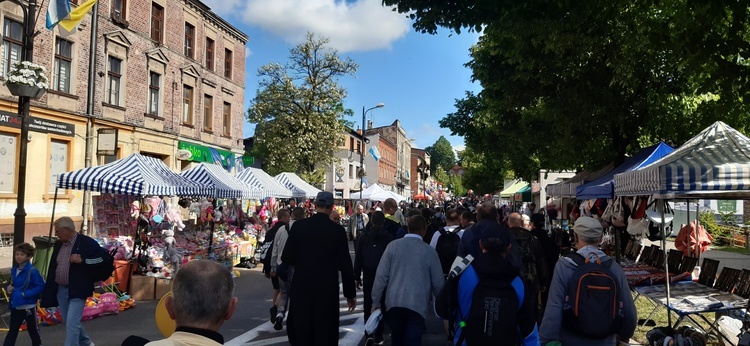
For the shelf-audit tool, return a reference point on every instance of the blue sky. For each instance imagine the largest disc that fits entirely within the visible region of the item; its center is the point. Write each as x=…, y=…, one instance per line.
x=417, y=76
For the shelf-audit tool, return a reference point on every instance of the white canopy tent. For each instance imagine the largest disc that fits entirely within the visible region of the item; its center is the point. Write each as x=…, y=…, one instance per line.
x=368, y=192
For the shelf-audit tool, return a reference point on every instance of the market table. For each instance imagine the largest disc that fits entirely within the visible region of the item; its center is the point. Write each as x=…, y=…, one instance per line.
x=641, y=274
x=689, y=299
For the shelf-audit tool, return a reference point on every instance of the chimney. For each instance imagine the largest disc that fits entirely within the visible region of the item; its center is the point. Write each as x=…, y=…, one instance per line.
x=369, y=124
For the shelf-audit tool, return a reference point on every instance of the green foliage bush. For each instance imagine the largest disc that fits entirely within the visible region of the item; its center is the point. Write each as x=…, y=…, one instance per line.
x=722, y=234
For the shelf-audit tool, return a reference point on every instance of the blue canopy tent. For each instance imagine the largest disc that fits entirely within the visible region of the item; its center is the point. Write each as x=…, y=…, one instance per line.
x=603, y=187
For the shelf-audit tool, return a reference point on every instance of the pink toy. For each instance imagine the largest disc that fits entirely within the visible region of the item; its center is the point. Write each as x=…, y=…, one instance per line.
x=173, y=216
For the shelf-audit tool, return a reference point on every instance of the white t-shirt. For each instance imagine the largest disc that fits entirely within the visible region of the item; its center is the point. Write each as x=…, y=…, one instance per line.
x=434, y=240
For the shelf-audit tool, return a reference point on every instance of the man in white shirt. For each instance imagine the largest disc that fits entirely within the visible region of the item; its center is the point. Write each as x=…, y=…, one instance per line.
x=452, y=222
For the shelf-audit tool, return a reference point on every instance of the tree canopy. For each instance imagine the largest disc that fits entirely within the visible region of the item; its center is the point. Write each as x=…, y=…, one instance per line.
x=441, y=155
x=299, y=110
x=579, y=84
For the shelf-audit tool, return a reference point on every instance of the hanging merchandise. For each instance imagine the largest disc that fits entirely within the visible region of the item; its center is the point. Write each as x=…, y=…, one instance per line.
x=113, y=215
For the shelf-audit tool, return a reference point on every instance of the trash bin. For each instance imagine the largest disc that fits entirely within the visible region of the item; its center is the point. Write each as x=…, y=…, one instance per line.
x=43, y=253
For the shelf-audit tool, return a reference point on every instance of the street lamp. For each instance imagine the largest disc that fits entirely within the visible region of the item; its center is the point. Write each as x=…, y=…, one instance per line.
x=24, y=107
x=362, y=153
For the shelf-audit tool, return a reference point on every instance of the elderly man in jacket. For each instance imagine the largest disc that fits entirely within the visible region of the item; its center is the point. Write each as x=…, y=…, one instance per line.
x=588, y=235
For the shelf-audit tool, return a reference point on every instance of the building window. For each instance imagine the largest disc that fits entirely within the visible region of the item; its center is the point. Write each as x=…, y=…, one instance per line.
x=351, y=171
x=208, y=113
x=187, y=105
x=351, y=144
x=209, y=54
x=12, y=44
x=58, y=162
x=154, y=93
x=63, y=61
x=228, y=63
x=359, y=147
x=226, y=119
x=189, y=40
x=114, y=82
x=157, y=22
x=8, y=144
x=118, y=10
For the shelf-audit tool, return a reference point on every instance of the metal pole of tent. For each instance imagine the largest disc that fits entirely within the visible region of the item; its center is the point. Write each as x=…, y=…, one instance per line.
x=49, y=238
x=666, y=265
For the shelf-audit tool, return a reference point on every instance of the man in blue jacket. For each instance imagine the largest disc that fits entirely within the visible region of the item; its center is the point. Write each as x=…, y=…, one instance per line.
x=490, y=266
x=69, y=280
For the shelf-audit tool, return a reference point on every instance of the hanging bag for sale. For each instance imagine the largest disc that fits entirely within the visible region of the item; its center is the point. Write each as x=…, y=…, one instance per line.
x=637, y=222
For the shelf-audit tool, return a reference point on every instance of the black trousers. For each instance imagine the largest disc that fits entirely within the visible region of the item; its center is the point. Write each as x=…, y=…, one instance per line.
x=407, y=327
x=368, y=280
x=16, y=320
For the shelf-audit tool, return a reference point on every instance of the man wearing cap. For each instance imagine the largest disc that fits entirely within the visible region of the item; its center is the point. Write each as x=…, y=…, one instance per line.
x=587, y=236
x=455, y=300
x=318, y=250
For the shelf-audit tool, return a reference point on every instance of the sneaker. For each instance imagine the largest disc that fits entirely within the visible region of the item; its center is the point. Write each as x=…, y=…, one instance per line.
x=279, y=320
x=274, y=310
x=370, y=342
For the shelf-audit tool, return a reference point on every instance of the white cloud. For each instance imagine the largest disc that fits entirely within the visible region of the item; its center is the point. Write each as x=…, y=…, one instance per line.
x=362, y=25
x=248, y=52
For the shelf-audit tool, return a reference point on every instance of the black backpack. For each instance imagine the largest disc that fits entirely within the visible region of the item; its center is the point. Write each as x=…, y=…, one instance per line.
x=526, y=243
x=103, y=271
x=447, y=247
x=373, y=251
x=492, y=318
x=593, y=303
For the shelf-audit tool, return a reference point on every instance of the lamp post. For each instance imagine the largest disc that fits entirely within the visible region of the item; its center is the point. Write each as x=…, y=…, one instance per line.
x=362, y=153
x=24, y=107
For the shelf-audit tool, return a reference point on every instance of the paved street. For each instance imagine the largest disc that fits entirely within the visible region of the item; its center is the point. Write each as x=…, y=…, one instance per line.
x=249, y=325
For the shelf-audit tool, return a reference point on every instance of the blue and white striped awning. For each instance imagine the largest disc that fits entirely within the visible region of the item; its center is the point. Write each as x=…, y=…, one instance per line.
x=217, y=179
x=713, y=164
x=299, y=187
x=262, y=185
x=133, y=175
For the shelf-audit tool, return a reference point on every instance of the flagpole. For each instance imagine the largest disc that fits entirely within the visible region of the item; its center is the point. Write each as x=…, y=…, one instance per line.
x=90, y=109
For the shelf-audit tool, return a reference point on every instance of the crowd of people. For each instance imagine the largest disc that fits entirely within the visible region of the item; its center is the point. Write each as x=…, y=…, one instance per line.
x=495, y=278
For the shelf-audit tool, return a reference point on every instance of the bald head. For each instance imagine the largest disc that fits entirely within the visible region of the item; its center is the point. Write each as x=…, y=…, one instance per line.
x=335, y=217
x=515, y=220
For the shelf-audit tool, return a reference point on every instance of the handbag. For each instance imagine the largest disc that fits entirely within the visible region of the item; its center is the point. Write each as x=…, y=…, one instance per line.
x=654, y=228
x=637, y=222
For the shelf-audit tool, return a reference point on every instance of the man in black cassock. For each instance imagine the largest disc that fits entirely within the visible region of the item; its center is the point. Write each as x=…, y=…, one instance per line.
x=317, y=249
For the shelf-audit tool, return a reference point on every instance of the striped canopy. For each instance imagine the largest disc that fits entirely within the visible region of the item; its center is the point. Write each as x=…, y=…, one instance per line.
x=299, y=187
x=262, y=185
x=218, y=180
x=713, y=164
x=567, y=189
x=133, y=175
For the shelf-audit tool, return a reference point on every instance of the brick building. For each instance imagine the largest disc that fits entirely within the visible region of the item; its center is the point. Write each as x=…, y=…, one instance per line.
x=169, y=75
x=397, y=135
x=383, y=170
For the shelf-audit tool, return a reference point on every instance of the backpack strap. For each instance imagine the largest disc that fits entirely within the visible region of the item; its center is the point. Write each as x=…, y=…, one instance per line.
x=442, y=231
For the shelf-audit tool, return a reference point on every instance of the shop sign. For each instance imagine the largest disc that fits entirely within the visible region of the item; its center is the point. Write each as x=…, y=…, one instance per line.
x=726, y=206
x=106, y=142
x=38, y=124
x=184, y=154
x=51, y=126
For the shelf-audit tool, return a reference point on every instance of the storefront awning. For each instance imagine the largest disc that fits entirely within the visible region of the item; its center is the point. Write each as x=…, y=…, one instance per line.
x=513, y=189
x=202, y=153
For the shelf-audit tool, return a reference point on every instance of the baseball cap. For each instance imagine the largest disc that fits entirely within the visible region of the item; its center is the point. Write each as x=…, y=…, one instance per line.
x=588, y=227
x=497, y=231
x=324, y=199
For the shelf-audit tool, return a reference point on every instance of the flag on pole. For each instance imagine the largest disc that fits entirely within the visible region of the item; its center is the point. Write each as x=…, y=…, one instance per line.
x=57, y=11
x=375, y=153
x=68, y=26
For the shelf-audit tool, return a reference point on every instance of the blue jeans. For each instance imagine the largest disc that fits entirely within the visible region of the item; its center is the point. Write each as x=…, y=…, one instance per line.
x=407, y=326
x=71, y=311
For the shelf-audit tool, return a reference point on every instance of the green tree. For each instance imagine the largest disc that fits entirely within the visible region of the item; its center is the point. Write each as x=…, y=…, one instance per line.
x=299, y=110
x=441, y=155
x=578, y=84
x=455, y=183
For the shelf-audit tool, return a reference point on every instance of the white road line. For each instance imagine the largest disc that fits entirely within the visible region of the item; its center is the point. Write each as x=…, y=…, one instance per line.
x=246, y=338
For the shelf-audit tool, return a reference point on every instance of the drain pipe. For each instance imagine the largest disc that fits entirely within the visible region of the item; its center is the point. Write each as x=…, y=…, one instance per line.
x=90, y=112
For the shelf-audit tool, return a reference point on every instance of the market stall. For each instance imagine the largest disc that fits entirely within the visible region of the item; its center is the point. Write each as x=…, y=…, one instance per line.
x=262, y=185
x=715, y=164
x=299, y=187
